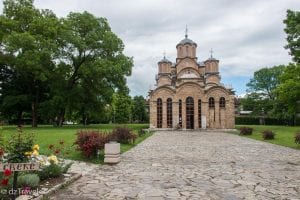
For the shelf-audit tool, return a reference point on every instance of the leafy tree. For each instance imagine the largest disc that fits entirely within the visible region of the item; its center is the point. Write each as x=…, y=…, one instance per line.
x=262, y=97
x=292, y=29
x=121, y=108
x=58, y=67
x=138, y=110
x=28, y=39
x=91, y=65
x=289, y=88
x=265, y=82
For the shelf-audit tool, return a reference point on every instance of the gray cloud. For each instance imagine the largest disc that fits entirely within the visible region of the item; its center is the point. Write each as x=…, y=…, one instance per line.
x=245, y=34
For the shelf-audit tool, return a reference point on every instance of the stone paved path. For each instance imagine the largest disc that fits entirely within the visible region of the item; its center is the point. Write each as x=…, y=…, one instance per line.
x=193, y=165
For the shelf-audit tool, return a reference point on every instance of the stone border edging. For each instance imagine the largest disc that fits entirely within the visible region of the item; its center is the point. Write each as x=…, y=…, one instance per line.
x=59, y=186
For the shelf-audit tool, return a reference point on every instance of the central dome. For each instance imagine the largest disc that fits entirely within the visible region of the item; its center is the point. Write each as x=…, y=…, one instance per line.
x=186, y=40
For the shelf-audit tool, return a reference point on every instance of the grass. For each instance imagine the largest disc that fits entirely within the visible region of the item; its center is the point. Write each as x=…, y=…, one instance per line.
x=284, y=135
x=46, y=135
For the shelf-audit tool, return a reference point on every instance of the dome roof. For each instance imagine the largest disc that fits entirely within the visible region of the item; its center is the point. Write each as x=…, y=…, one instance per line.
x=187, y=41
x=164, y=60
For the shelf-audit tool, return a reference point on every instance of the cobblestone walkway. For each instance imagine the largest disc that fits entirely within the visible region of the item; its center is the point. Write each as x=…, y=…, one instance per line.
x=193, y=165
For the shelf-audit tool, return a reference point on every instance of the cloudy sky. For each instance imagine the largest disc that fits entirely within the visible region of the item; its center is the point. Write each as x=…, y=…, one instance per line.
x=245, y=35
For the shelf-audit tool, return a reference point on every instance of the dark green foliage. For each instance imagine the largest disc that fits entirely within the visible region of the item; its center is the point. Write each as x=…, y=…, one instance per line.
x=289, y=88
x=246, y=130
x=121, y=108
x=19, y=143
x=123, y=135
x=50, y=171
x=252, y=120
x=268, y=135
x=297, y=138
x=89, y=142
x=246, y=121
x=292, y=23
x=53, y=68
x=139, y=113
x=28, y=180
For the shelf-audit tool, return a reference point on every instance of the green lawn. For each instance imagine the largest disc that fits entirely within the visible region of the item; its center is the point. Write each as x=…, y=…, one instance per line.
x=46, y=135
x=284, y=135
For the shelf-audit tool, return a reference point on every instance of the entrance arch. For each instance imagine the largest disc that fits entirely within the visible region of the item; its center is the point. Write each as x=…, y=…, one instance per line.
x=189, y=113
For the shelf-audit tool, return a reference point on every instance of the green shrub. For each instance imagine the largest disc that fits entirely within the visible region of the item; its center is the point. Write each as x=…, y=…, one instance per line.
x=50, y=171
x=123, y=135
x=246, y=130
x=28, y=180
x=297, y=138
x=268, y=135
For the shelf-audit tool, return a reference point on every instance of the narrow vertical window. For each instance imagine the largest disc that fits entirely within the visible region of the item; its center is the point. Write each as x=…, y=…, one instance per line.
x=159, y=113
x=169, y=113
x=222, y=102
x=180, y=113
x=199, y=112
x=211, y=102
x=211, y=105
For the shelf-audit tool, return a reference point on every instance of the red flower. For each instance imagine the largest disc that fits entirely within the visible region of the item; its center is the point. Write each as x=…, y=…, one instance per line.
x=4, y=181
x=56, y=151
x=7, y=172
x=61, y=142
x=51, y=146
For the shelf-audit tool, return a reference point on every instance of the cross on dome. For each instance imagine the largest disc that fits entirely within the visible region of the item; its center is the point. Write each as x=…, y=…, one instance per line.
x=186, y=31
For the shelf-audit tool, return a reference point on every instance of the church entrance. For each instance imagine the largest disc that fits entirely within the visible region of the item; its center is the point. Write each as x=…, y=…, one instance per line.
x=189, y=113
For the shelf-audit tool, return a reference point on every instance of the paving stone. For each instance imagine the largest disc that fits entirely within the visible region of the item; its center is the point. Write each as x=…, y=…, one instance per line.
x=192, y=165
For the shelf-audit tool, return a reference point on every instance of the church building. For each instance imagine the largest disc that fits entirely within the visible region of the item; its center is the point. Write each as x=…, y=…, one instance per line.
x=188, y=94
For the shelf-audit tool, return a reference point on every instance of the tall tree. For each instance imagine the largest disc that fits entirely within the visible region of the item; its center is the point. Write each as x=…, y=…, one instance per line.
x=262, y=90
x=121, y=108
x=91, y=63
x=292, y=29
x=289, y=88
x=139, y=113
x=265, y=81
x=28, y=38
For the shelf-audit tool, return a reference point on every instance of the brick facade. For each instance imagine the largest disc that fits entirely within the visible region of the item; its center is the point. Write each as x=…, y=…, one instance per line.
x=197, y=85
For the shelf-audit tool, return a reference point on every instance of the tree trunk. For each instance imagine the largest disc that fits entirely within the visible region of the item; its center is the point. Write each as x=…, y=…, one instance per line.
x=34, y=106
x=61, y=117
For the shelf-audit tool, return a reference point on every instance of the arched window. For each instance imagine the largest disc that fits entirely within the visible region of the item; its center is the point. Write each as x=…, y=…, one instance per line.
x=189, y=113
x=180, y=112
x=222, y=102
x=169, y=113
x=211, y=102
x=159, y=113
x=199, y=112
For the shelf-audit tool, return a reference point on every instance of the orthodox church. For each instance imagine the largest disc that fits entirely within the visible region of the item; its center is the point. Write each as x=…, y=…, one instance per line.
x=188, y=94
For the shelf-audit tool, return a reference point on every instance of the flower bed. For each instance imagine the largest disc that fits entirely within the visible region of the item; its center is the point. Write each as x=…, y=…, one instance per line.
x=26, y=172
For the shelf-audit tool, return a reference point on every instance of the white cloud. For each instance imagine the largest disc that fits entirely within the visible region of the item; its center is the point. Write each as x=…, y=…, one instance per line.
x=245, y=35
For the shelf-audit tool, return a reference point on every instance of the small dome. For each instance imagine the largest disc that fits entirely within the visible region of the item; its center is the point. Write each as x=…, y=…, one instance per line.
x=212, y=59
x=164, y=60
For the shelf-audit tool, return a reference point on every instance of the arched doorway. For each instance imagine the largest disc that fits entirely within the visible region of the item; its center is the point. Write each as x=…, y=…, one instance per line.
x=189, y=113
